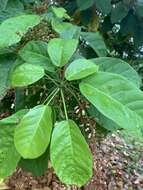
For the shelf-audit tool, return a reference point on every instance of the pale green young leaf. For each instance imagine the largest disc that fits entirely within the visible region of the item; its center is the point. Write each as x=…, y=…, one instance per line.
x=70, y=155
x=61, y=50
x=79, y=69
x=32, y=135
x=60, y=12
x=26, y=74
x=13, y=29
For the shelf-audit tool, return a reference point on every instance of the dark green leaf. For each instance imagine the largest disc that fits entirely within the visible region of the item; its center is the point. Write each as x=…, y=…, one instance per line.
x=3, y=4
x=6, y=64
x=104, y=6
x=95, y=40
x=35, y=52
x=85, y=4
x=118, y=12
x=36, y=166
x=118, y=66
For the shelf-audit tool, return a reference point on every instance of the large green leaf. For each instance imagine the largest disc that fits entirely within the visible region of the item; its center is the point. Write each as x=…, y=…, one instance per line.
x=118, y=66
x=10, y=8
x=61, y=50
x=3, y=4
x=6, y=64
x=12, y=29
x=103, y=6
x=37, y=166
x=60, y=12
x=66, y=30
x=79, y=69
x=85, y=4
x=116, y=98
x=26, y=74
x=32, y=135
x=139, y=8
x=70, y=154
x=35, y=52
x=95, y=40
x=119, y=12
x=9, y=157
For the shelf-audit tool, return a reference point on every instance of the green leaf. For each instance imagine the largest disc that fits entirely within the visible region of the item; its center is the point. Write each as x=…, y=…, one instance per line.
x=12, y=29
x=61, y=50
x=118, y=66
x=3, y=4
x=35, y=52
x=11, y=8
x=116, y=98
x=118, y=12
x=79, y=69
x=68, y=150
x=13, y=119
x=26, y=74
x=103, y=6
x=85, y=4
x=6, y=63
x=9, y=157
x=14, y=5
x=96, y=42
x=66, y=30
x=60, y=12
x=32, y=135
x=139, y=8
x=36, y=166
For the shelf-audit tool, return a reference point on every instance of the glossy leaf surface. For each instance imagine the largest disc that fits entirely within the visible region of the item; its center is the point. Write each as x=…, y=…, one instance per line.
x=26, y=74
x=70, y=154
x=32, y=135
x=61, y=50
x=12, y=29
x=79, y=69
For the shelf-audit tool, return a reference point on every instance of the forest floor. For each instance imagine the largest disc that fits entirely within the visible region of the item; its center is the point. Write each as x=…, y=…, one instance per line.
x=118, y=165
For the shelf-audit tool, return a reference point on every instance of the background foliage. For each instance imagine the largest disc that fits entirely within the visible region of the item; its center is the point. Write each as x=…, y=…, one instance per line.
x=66, y=66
